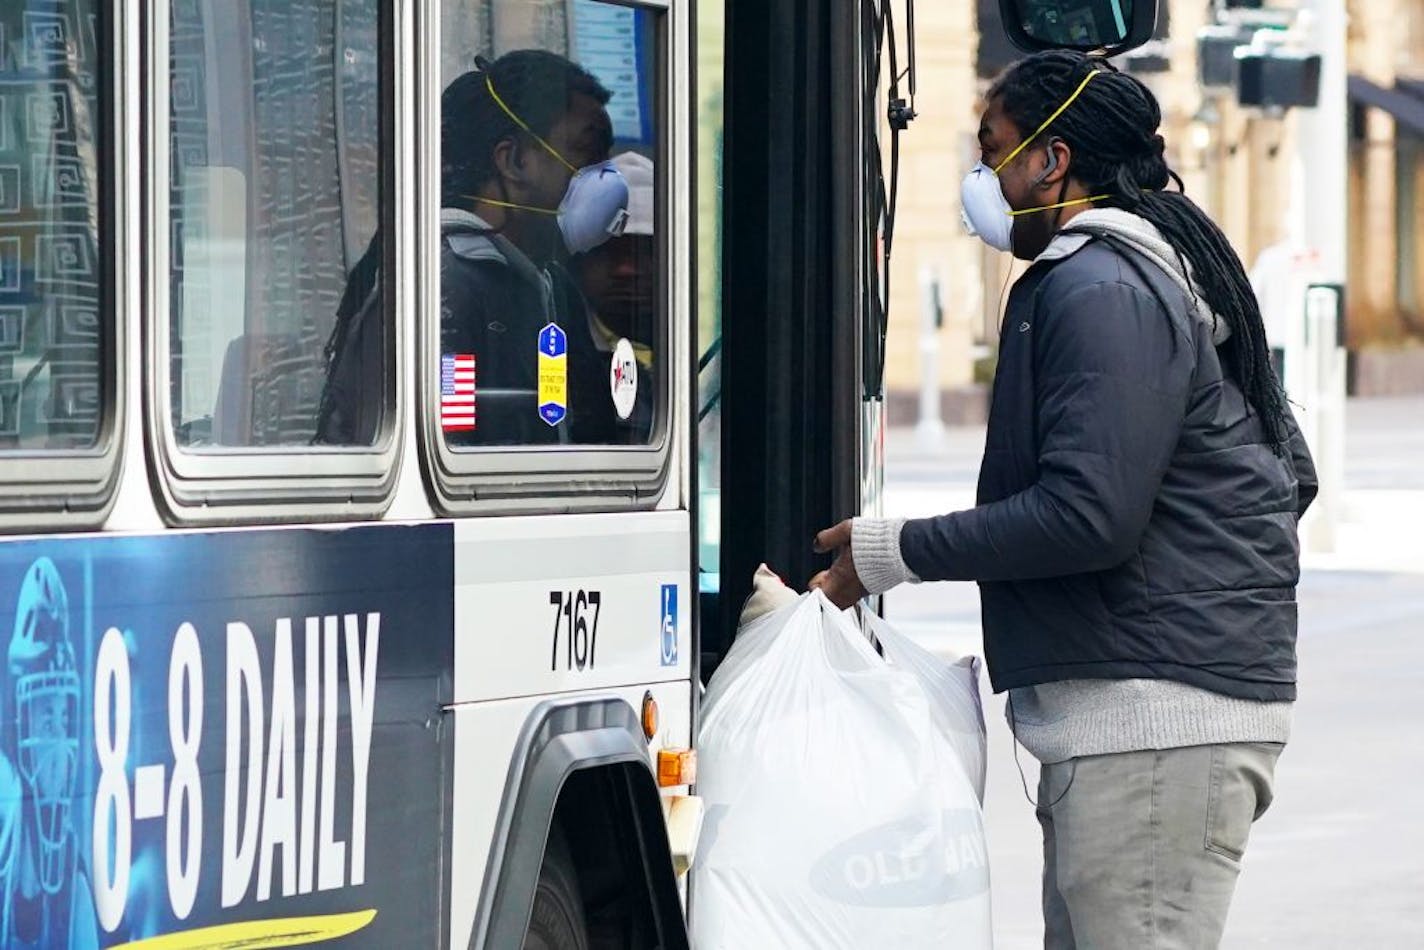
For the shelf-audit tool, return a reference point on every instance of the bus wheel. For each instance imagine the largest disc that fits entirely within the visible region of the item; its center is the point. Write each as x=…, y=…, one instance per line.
x=556, y=922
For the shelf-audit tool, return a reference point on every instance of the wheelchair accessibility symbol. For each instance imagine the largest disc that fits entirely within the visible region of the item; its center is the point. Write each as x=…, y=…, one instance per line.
x=669, y=625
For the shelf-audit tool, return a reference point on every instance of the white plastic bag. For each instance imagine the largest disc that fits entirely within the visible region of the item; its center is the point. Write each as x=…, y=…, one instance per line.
x=843, y=792
x=953, y=690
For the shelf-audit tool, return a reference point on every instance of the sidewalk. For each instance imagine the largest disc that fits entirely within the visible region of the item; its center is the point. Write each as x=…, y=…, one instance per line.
x=1382, y=521
x=1382, y=512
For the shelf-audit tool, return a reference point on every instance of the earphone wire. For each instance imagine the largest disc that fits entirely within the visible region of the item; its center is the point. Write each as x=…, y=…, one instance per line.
x=1023, y=779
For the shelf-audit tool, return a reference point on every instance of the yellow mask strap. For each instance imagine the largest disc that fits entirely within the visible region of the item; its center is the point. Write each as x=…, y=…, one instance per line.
x=489, y=83
x=1046, y=122
x=508, y=204
x=1061, y=204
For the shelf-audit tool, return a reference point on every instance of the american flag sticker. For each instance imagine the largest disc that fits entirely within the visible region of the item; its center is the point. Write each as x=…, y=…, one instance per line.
x=457, y=392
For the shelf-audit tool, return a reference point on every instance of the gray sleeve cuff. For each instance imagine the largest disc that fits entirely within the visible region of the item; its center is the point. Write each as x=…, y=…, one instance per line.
x=875, y=548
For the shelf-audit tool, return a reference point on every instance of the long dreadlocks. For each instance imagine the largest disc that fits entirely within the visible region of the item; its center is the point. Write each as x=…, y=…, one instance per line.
x=1117, y=151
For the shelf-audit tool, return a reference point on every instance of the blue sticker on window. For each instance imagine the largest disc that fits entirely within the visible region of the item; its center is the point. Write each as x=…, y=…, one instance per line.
x=553, y=374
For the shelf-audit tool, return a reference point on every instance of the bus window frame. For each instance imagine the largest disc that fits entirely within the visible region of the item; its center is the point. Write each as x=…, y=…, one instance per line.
x=585, y=478
x=295, y=483
x=76, y=488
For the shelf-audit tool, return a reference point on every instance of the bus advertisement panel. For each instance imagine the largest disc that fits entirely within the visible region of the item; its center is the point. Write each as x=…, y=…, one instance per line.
x=224, y=739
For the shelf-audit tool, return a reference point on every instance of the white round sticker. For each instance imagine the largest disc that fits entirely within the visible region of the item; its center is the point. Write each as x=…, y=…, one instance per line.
x=623, y=379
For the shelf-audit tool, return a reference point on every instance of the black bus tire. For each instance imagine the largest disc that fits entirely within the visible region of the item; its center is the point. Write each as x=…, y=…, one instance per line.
x=557, y=921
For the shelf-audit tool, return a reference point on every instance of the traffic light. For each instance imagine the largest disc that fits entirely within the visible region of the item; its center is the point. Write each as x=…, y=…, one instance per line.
x=1216, y=54
x=1277, y=78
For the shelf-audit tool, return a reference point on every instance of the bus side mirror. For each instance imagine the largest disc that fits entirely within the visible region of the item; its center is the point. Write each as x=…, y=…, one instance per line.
x=1114, y=26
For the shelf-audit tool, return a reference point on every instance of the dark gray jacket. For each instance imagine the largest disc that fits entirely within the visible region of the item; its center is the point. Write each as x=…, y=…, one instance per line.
x=1132, y=522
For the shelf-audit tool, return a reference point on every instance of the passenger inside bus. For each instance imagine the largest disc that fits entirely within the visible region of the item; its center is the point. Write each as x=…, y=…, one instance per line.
x=615, y=279
x=525, y=184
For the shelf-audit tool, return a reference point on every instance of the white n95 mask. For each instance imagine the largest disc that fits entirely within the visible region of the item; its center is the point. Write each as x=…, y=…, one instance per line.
x=985, y=210
x=595, y=207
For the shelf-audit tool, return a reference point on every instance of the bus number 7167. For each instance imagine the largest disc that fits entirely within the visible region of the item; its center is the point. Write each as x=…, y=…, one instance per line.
x=580, y=636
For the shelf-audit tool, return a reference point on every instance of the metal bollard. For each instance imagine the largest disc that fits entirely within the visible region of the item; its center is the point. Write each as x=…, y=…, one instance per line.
x=1324, y=425
x=929, y=430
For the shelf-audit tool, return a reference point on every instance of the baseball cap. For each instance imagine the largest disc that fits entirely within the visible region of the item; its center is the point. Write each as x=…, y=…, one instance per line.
x=637, y=170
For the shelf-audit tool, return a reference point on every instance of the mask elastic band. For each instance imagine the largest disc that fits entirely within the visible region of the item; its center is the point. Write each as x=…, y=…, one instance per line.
x=489, y=83
x=1061, y=204
x=1036, y=132
x=508, y=204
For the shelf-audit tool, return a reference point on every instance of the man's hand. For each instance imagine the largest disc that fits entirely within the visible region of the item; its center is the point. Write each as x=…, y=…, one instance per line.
x=840, y=583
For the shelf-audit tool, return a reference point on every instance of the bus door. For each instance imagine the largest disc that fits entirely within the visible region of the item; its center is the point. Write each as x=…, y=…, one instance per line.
x=797, y=154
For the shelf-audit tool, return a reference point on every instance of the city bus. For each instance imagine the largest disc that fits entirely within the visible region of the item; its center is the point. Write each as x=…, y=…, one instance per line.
x=414, y=662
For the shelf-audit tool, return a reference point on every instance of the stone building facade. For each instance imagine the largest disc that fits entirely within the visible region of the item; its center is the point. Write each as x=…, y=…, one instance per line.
x=1238, y=164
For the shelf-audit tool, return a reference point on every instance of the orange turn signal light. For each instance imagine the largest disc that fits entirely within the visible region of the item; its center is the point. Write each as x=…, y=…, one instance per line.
x=677, y=767
x=650, y=716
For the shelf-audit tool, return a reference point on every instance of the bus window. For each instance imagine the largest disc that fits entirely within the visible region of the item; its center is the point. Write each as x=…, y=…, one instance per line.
x=54, y=326
x=277, y=328
x=552, y=317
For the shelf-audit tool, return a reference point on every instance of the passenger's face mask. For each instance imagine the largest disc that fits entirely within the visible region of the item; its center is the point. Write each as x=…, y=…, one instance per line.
x=987, y=213
x=595, y=207
x=595, y=203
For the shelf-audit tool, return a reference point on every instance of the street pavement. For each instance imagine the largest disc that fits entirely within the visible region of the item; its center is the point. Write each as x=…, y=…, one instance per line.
x=1338, y=861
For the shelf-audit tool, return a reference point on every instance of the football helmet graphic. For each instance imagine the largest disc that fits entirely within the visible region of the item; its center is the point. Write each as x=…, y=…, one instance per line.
x=41, y=660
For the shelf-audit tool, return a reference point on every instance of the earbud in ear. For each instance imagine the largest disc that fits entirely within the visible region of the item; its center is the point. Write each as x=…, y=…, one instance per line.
x=1052, y=164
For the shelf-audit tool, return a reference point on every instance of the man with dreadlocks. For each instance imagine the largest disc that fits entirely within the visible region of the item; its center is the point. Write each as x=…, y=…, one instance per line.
x=1135, y=533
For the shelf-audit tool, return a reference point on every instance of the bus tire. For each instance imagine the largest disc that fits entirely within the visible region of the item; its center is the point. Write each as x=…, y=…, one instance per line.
x=557, y=920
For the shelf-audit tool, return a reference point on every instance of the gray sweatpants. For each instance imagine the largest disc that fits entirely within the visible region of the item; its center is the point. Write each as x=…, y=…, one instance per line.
x=1143, y=849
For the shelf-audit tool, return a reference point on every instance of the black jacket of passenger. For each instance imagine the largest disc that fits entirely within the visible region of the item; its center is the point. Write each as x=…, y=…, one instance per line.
x=494, y=302
x=1132, y=520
